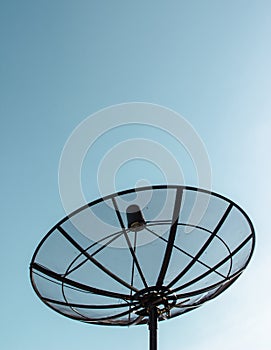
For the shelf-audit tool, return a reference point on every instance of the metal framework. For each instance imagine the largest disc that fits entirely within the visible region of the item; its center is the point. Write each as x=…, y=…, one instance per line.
x=99, y=266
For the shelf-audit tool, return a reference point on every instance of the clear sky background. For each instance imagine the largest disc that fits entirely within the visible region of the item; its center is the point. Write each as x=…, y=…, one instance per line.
x=63, y=60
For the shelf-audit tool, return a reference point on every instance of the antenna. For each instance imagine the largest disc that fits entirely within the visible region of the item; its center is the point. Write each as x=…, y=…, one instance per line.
x=142, y=256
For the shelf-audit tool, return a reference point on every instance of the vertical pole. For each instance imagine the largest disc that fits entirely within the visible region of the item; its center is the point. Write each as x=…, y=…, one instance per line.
x=153, y=318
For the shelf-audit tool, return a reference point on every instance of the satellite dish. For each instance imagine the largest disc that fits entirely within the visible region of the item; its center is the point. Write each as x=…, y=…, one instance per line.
x=143, y=255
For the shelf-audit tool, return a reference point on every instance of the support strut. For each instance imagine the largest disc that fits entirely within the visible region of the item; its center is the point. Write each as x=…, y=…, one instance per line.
x=153, y=320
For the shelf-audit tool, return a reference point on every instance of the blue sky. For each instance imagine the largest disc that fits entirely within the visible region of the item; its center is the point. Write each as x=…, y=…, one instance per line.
x=61, y=61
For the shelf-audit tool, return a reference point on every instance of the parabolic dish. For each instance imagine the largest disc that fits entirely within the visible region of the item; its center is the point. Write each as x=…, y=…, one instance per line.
x=97, y=267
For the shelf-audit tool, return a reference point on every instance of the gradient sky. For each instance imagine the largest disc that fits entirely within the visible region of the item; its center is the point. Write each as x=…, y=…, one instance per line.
x=61, y=61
